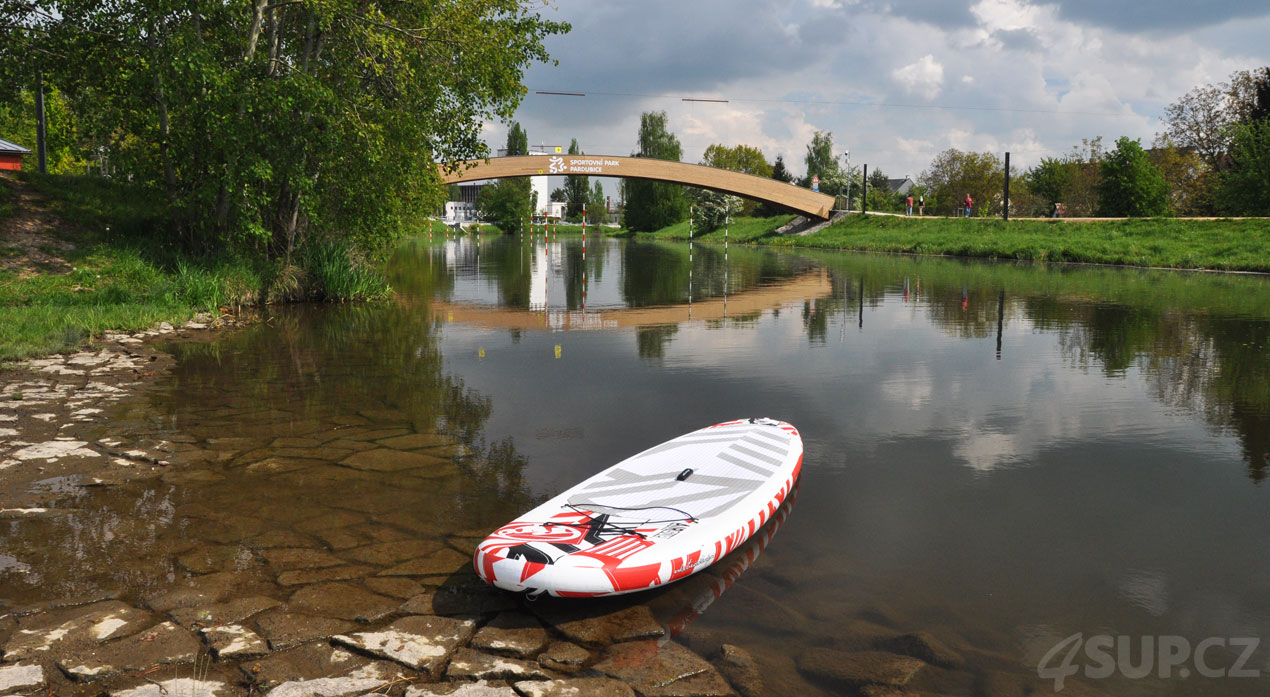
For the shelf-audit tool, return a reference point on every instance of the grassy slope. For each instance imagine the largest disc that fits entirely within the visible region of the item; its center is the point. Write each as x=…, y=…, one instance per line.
x=1228, y=245
x=127, y=275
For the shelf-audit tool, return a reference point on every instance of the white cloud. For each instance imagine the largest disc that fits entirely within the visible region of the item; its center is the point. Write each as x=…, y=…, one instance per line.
x=924, y=77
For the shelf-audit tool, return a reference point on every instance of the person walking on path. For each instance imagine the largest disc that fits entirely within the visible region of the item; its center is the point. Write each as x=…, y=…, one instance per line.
x=969, y=204
x=921, y=205
x=908, y=205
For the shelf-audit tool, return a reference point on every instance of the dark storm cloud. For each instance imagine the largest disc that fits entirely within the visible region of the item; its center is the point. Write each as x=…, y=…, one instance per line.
x=1165, y=15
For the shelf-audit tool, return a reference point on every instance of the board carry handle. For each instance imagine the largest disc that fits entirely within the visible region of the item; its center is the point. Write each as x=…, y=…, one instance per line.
x=684, y=474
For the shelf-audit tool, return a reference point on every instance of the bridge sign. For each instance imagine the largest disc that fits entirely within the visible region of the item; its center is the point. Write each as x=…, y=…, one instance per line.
x=815, y=182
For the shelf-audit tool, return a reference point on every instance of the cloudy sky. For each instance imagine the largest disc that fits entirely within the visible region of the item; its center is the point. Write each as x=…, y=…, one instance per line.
x=896, y=82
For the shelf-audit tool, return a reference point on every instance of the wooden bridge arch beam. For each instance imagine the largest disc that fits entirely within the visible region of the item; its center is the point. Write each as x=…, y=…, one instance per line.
x=791, y=196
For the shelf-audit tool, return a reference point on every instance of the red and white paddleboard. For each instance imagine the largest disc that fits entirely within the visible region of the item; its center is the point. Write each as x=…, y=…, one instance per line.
x=653, y=518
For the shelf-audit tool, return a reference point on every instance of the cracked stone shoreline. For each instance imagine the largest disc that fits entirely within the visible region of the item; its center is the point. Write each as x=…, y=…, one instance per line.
x=49, y=404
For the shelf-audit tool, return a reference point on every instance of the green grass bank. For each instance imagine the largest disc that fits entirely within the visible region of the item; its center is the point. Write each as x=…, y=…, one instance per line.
x=88, y=254
x=1177, y=243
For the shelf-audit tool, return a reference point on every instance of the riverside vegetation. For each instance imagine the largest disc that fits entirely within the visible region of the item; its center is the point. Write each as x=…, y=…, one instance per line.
x=109, y=263
x=1226, y=245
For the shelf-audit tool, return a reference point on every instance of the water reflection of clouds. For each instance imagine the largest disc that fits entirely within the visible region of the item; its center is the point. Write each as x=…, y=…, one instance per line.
x=903, y=375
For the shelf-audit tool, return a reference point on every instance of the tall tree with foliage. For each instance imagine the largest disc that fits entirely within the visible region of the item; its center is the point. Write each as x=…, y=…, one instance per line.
x=1245, y=185
x=269, y=123
x=1130, y=184
x=1048, y=181
x=577, y=187
x=510, y=201
x=654, y=205
x=597, y=205
x=820, y=159
x=953, y=174
x=741, y=158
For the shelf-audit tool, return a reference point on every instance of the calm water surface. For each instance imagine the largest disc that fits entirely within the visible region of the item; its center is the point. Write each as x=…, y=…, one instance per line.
x=1000, y=455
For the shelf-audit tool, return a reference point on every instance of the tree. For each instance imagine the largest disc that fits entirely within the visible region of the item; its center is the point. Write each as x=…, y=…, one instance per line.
x=267, y=124
x=596, y=207
x=1085, y=163
x=577, y=187
x=65, y=150
x=654, y=205
x=742, y=158
x=779, y=172
x=953, y=174
x=1244, y=187
x=1130, y=184
x=1190, y=181
x=710, y=209
x=509, y=202
x=1048, y=182
x=1203, y=118
x=820, y=159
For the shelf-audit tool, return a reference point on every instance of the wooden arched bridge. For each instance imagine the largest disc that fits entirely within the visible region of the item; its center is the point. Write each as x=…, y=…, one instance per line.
x=797, y=198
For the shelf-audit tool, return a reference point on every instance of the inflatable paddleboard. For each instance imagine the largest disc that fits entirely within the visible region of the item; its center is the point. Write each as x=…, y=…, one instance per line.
x=653, y=518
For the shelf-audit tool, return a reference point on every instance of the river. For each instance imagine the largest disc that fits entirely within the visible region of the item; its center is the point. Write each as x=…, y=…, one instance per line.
x=999, y=456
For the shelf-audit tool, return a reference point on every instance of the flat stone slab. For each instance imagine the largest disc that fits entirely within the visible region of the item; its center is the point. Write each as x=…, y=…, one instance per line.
x=284, y=630
x=200, y=590
x=475, y=665
x=343, y=601
x=420, y=642
x=165, y=643
x=923, y=646
x=575, y=687
x=313, y=660
x=397, y=587
x=390, y=553
x=440, y=563
x=209, y=558
x=20, y=679
x=564, y=656
x=229, y=612
x=289, y=558
x=391, y=460
x=595, y=626
x=414, y=441
x=670, y=670
x=480, y=688
x=37, y=635
x=738, y=666
x=858, y=669
x=304, y=577
x=178, y=686
x=514, y=634
x=359, y=682
x=234, y=641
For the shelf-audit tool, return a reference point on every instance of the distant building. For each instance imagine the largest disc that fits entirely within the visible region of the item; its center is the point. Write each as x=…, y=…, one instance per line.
x=11, y=155
x=900, y=186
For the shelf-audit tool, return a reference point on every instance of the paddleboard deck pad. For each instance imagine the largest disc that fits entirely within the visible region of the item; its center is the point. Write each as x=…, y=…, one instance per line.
x=653, y=518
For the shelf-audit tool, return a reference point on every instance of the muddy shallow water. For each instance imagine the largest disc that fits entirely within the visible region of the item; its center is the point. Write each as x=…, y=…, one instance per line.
x=999, y=457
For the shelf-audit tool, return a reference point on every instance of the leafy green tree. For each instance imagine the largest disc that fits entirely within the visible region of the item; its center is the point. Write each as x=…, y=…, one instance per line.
x=711, y=209
x=509, y=202
x=1130, y=184
x=65, y=150
x=779, y=172
x=1048, y=181
x=741, y=158
x=1244, y=187
x=577, y=187
x=654, y=205
x=268, y=124
x=1191, y=182
x=953, y=174
x=596, y=207
x=820, y=159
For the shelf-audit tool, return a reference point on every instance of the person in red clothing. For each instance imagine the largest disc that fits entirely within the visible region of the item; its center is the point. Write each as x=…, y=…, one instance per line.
x=908, y=205
x=968, y=204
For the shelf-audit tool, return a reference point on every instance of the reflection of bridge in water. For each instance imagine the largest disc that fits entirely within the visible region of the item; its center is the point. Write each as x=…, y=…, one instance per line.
x=808, y=286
